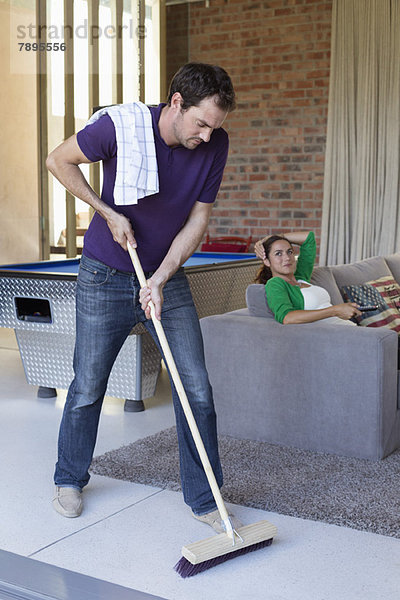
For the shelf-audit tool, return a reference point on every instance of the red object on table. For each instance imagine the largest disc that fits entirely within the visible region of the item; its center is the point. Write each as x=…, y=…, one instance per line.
x=226, y=244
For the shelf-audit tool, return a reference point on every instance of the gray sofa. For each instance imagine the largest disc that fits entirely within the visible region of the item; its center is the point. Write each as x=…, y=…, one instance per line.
x=319, y=387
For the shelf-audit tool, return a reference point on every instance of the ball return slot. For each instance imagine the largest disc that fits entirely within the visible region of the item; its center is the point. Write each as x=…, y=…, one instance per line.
x=34, y=310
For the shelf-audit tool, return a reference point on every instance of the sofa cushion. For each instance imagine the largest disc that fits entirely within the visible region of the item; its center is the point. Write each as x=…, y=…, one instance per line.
x=323, y=277
x=360, y=272
x=393, y=262
x=256, y=300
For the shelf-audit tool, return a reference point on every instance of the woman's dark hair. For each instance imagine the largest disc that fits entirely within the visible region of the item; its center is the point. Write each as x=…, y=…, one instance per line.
x=196, y=81
x=265, y=272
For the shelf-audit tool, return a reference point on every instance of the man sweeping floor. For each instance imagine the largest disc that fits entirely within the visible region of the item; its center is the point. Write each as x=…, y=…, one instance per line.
x=162, y=170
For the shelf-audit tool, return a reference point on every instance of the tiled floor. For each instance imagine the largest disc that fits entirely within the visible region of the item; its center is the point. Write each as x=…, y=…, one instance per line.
x=132, y=534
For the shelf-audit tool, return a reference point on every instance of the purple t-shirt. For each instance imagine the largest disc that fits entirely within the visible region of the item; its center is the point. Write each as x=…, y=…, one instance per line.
x=185, y=176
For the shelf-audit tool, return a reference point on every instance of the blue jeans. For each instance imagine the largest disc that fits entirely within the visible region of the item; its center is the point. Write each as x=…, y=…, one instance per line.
x=107, y=308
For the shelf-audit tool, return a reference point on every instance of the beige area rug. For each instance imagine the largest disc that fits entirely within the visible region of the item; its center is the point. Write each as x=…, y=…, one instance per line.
x=342, y=491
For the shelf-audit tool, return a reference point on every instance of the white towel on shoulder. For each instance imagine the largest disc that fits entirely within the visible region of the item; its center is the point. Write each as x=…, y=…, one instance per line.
x=137, y=171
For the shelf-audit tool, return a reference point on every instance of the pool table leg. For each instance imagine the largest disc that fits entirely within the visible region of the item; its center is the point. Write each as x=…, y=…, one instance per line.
x=137, y=405
x=46, y=392
x=133, y=405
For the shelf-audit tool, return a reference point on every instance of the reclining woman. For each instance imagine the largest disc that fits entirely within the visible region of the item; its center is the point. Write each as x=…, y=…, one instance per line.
x=290, y=295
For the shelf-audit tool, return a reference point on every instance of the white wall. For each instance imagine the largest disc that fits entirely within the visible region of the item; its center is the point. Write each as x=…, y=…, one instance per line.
x=19, y=204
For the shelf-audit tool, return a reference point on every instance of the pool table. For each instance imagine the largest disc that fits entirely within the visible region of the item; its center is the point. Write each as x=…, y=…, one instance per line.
x=37, y=300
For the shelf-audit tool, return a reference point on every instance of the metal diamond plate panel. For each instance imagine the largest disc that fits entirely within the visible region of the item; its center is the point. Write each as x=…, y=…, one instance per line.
x=222, y=289
x=48, y=357
x=60, y=294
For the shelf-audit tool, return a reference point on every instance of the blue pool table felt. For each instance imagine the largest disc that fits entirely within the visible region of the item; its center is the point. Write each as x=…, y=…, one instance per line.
x=70, y=266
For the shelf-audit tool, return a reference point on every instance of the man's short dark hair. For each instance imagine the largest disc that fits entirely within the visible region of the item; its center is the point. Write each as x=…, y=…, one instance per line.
x=196, y=81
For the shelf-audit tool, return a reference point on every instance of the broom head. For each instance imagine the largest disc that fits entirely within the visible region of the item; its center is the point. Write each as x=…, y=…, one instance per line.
x=215, y=550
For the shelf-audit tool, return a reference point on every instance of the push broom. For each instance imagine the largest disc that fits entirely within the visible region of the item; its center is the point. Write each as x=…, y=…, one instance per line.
x=203, y=555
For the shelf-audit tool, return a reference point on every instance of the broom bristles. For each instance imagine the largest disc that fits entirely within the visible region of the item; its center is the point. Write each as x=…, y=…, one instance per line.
x=186, y=569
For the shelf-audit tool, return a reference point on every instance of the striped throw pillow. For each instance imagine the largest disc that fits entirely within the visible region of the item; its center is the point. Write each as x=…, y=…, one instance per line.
x=389, y=289
x=367, y=294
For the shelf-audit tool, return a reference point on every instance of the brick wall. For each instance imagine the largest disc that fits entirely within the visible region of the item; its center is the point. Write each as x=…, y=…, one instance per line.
x=277, y=53
x=177, y=19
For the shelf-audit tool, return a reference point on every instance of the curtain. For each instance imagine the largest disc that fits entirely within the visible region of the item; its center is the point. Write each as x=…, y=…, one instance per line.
x=360, y=211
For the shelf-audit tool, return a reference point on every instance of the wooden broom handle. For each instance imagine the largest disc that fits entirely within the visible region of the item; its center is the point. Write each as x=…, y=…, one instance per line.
x=169, y=359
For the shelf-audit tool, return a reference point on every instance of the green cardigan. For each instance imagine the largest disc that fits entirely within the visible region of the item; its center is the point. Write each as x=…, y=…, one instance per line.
x=283, y=297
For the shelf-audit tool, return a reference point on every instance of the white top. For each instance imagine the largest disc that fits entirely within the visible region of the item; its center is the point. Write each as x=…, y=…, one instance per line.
x=316, y=297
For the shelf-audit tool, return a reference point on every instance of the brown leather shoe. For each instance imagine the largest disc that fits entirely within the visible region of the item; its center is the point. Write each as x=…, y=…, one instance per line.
x=68, y=501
